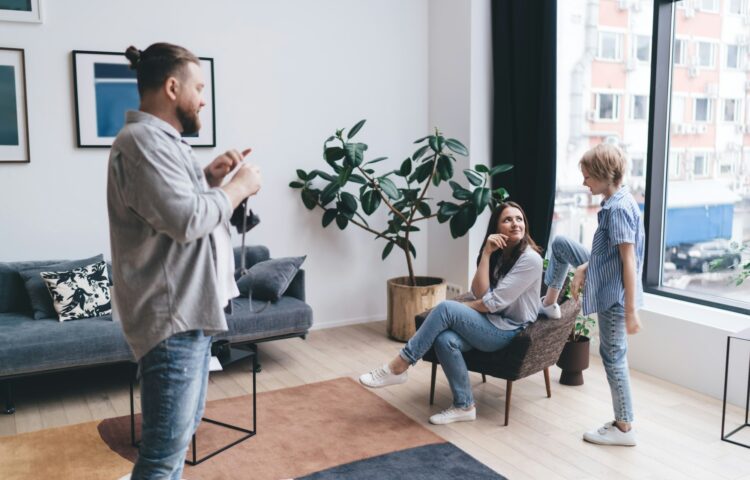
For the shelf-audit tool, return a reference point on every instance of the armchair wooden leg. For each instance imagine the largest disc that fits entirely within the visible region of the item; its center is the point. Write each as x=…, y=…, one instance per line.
x=546, y=382
x=484, y=378
x=508, y=390
x=432, y=383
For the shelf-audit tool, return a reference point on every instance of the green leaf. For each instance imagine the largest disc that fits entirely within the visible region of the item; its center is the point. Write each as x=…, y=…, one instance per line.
x=389, y=188
x=462, y=221
x=420, y=140
x=456, y=146
x=309, y=198
x=333, y=154
x=500, y=169
x=423, y=171
x=358, y=179
x=329, y=193
x=412, y=228
x=296, y=184
x=342, y=221
x=301, y=174
x=436, y=179
x=419, y=153
x=355, y=153
x=323, y=175
x=481, y=197
x=405, y=168
x=473, y=177
x=446, y=210
x=459, y=192
x=370, y=201
x=500, y=193
x=344, y=177
x=424, y=209
x=445, y=167
x=433, y=142
x=349, y=201
x=376, y=160
x=355, y=129
x=412, y=250
x=481, y=168
x=387, y=250
x=328, y=216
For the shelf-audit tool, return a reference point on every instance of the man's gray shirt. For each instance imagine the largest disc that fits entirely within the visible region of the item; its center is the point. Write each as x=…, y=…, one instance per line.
x=161, y=216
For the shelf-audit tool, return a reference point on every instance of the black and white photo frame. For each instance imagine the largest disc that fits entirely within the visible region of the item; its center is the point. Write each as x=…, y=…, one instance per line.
x=21, y=11
x=14, y=118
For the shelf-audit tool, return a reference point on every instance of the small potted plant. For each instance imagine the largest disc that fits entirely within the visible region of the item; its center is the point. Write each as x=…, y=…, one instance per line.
x=574, y=358
x=403, y=193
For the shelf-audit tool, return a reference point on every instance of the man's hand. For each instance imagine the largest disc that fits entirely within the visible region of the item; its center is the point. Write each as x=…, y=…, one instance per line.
x=222, y=165
x=246, y=182
x=579, y=278
x=632, y=322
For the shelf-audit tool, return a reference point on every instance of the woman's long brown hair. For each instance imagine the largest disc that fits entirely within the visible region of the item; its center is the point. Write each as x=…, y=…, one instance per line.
x=507, y=261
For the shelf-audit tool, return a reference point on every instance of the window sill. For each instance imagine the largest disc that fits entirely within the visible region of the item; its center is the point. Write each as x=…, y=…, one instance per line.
x=695, y=313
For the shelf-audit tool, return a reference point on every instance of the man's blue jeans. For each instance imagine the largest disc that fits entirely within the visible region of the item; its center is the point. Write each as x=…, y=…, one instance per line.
x=453, y=327
x=174, y=377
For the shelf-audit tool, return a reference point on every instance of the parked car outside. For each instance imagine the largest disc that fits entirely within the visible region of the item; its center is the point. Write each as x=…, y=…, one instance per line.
x=719, y=254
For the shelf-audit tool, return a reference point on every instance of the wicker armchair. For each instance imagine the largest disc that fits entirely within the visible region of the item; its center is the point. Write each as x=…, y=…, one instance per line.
x=534, y=350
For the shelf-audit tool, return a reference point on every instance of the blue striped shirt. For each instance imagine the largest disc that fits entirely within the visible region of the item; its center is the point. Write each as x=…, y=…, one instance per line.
x=620, y=222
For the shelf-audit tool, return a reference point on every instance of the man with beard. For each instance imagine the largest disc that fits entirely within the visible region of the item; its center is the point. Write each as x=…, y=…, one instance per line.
x=172, y=260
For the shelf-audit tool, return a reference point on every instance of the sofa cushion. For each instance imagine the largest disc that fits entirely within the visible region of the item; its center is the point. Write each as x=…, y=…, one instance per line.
x=268, y=280
x=288, y=316
x=28, y=346
x=13, y=296
x=80, y=292
x=41, y=301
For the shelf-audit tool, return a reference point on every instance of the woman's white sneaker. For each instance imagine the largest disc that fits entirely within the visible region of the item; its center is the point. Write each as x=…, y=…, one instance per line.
x=609, y=434
x=382, y=377
x=454, y=414
x=550, y=311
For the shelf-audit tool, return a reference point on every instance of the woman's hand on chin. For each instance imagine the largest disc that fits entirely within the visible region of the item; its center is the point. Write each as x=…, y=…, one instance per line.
x=496, y=241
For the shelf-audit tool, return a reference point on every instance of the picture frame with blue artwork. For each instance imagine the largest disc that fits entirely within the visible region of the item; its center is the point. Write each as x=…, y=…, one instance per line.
x=14, y=118
x=21, y=11
x=105, y=88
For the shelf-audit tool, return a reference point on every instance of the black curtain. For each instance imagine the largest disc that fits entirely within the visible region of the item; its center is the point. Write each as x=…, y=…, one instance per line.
x=524, y=42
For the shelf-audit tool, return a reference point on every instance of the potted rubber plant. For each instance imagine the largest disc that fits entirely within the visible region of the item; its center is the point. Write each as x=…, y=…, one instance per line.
x=574, y=358
x=348, y=189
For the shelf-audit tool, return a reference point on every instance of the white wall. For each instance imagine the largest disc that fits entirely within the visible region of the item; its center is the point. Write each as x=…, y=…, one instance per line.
x=287, y=73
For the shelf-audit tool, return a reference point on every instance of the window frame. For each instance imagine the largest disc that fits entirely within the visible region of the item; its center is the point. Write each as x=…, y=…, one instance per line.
x=712, y=59
x=636, y=47
x=632, y=107
x=709, y=109
x=656, y=166
x=619, y=36
x=737, y=110
x=616, y=106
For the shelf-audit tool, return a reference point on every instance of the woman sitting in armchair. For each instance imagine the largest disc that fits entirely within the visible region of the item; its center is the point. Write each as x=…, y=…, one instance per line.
x=504, y=299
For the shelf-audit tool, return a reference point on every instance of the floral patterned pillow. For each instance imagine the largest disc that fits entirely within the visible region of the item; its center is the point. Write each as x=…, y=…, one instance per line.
x=81, y=292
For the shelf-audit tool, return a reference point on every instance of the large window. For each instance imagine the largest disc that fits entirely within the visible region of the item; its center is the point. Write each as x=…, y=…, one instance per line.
x=698, y=208
x=681, y=118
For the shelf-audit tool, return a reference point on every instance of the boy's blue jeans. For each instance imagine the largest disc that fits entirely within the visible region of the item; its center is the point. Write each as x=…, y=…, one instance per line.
x=452, y=328
x=613, y=339
x=174, y=377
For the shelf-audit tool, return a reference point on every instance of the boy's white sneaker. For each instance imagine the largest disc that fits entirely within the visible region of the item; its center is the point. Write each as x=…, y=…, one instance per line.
x=454, y=414
x=382, y=377
x=550, y=311
x=609, y=434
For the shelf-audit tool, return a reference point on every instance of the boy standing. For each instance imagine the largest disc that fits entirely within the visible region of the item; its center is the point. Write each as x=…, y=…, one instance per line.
x=611, y=273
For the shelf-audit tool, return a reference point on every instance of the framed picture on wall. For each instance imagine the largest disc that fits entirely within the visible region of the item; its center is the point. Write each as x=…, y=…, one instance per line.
x=106, y=87
x=20, y=11
x=14, y=122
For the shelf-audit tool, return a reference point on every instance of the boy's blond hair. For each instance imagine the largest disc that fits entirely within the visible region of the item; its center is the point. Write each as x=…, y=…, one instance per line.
x=604, y=162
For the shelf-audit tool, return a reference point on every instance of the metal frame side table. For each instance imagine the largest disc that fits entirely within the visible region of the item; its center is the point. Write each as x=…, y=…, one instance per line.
x=235, y=354
x=743, y=336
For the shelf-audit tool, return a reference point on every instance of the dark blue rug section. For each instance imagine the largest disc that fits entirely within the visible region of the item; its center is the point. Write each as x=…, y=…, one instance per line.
x=441, y=461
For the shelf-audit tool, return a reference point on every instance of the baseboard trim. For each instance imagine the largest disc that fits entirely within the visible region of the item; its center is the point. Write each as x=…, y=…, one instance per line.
x=348, y=321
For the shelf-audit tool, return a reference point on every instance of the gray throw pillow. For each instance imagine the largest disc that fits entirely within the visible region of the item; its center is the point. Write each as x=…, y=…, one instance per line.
x=268, y=280
x=41, y=300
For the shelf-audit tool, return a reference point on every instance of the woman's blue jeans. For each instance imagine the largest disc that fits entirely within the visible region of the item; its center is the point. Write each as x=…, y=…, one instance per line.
x=174, y=377
x=613, y=339
x=453, y=327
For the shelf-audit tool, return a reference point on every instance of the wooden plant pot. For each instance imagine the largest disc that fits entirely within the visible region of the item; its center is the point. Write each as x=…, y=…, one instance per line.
x=573, y=360
x=405, y=302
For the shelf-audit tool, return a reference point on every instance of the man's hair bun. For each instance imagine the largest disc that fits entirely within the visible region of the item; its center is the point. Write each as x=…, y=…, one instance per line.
x=134, y=55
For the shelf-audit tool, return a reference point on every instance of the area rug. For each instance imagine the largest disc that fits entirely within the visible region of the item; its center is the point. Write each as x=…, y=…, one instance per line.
x=329, y=430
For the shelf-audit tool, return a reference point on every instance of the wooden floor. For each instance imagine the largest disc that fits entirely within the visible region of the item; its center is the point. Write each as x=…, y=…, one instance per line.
x=678, y=429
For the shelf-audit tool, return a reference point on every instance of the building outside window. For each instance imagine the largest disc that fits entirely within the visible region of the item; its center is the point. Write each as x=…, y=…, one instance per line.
x=607, y=106
x=679, y=53
x=735, y=54
x=737, y=7
x=709, y=6
x=639, y=109
x=731, y=110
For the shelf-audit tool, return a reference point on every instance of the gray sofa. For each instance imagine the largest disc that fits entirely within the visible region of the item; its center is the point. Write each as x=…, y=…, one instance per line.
x=32, y=347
